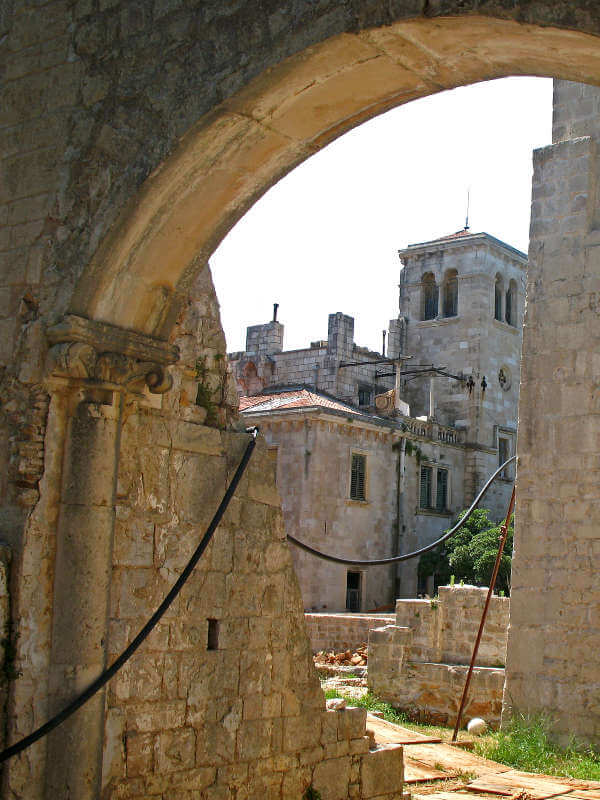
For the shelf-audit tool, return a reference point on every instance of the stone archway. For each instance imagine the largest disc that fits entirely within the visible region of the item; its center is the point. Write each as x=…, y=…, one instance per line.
x=119, y=247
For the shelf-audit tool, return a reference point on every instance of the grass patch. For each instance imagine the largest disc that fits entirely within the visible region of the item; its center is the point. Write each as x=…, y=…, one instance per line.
x=371, y=703
x=525, y=745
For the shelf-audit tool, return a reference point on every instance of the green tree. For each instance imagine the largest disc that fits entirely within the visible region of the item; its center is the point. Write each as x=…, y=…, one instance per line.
x=470, y=554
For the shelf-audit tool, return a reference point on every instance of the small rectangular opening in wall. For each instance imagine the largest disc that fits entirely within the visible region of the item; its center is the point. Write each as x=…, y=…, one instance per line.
x=212, y=642
x=353, y=591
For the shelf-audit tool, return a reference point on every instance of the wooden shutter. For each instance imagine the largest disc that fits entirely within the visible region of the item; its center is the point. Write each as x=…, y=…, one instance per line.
x=441, y=500
x=425, y=493
x=358, y=477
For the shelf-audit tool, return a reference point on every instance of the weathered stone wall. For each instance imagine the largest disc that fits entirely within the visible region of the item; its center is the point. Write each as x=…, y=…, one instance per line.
x=341, y=631
x=420, y=663
x=317, y=366
x=555, y=627
x=444, y=629
x=473, y=343
x=117, y=183
x=314, y=456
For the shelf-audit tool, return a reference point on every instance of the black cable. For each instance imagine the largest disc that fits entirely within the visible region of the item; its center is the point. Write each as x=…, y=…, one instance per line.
x=415, y=553
x=102, y=679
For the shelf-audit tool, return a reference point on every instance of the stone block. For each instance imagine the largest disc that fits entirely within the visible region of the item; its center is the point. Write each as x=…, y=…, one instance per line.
x=382, y=771
x=300, y=733
x=351, y=723
x=331, y=778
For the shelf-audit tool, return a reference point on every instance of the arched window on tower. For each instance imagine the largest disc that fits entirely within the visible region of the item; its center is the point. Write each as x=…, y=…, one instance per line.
x=498, y=292
x=511, y=304
x=450, y=294
x=429, y=296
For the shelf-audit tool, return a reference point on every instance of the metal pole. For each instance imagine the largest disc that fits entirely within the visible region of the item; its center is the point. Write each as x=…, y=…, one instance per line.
x=503, y=534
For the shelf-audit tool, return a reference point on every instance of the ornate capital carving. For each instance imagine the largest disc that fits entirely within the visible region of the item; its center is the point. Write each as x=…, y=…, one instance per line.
x=101, y=353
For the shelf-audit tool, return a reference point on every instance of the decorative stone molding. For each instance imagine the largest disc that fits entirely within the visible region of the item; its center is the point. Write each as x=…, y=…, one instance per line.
x=101, y=353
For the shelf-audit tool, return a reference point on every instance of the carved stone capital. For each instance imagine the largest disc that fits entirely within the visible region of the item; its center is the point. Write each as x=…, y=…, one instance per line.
x=101, y=353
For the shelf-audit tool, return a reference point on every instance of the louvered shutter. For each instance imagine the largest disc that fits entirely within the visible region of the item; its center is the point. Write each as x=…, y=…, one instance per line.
x=357, y=477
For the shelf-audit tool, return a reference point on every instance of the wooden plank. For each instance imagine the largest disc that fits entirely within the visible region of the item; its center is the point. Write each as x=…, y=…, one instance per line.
x=415, y=771
x=454, y=759
x=431, y=740
x=451, y=796
x=398, y=734
x=512, y=782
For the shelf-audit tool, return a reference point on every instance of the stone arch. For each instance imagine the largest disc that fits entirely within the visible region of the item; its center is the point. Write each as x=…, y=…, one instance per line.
x=499, y=298
x=177, y=200
x=429, y=296
x=230, y=157
x=450, y=293
x=510, y=303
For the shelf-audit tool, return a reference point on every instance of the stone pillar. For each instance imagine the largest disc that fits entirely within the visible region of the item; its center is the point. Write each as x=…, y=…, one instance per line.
x=554, y=635
x=94, y=366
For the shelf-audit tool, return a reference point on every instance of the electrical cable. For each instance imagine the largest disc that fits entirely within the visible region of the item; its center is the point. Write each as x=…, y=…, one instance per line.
x=415, y=553
x=108, y=673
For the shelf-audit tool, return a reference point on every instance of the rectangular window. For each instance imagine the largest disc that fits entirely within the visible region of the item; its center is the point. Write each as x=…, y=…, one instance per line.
x=426, y=487
x=364, y=396
x=441, y=496
x=358, y=476
x=503, y=454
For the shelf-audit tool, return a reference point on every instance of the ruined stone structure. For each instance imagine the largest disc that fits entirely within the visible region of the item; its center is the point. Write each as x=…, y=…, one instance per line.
x=340, y=632
x=420, y=663
x=264, y=363
x=133, y=136
x=421, y=461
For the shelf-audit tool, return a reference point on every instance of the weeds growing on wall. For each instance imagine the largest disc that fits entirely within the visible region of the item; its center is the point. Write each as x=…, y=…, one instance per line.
x=525, y=744
x=371, y=703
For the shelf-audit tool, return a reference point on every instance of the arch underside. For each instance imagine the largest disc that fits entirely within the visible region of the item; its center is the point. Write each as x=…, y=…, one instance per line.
x=235, y=153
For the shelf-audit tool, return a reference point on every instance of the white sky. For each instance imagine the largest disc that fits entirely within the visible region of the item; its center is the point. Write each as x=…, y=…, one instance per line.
x=325, y=238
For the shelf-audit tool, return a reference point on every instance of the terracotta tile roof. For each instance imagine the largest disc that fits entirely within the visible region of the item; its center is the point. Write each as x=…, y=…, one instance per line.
x=457, y=235
x=295, y=398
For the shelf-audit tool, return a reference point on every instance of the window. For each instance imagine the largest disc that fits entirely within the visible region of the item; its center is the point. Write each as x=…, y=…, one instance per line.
x=426, y=487
x=450, y=305
x=434, y=489
x=503, y=454
x=358, y=475
x=511, y=304
x=441, y=495
x=430, y=297
x=498, y=291
x=364, y=396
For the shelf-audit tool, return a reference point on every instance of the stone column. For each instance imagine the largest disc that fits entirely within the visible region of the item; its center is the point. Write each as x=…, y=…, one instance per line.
x=96, y=366
x=554, y=636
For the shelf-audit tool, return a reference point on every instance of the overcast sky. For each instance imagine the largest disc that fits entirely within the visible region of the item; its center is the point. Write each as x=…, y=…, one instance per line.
x=325, y=238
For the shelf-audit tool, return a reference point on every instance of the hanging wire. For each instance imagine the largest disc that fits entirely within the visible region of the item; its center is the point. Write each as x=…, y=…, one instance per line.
x=406, y=556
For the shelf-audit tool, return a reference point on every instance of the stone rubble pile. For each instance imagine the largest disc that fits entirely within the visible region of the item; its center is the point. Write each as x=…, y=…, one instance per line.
x=347, y=658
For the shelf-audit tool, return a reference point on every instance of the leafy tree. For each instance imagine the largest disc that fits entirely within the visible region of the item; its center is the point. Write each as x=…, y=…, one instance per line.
x=470, y=554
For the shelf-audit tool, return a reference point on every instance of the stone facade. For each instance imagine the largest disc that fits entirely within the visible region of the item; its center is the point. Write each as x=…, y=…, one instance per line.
x=314, y=445
x=429, y=454
x=420, y=663
x=264, y=363
x=121, y=172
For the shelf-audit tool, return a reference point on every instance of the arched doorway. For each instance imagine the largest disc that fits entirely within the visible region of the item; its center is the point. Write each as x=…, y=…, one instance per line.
x=142, y=266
